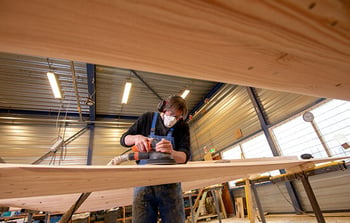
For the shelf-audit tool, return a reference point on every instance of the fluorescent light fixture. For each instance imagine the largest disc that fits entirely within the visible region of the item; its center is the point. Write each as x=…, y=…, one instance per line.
x=54, y=85
x=126, y=93
x=185, y=93
x=58, y=144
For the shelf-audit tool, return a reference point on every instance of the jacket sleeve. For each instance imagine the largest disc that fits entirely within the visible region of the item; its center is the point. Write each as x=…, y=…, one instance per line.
x=182, y=141
x=138, y=128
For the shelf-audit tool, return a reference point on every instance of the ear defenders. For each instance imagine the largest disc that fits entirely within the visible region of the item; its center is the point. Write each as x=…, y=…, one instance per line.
x=161, y=105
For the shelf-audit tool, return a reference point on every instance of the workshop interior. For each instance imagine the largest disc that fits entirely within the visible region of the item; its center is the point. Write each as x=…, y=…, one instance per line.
x=254, y=104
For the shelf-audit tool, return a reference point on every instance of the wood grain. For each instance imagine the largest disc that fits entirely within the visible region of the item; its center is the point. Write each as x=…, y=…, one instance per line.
x=293, y=45
x=49, y=188
x=100, y=200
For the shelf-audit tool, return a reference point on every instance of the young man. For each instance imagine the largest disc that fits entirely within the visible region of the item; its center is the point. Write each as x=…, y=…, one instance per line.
x=169, y=128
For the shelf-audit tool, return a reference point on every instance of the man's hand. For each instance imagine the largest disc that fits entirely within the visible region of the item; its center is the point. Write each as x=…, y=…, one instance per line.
x=164, y=146
x=141, y=142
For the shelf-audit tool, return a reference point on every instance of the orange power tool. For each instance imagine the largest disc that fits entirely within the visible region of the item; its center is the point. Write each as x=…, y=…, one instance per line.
x=151, y=157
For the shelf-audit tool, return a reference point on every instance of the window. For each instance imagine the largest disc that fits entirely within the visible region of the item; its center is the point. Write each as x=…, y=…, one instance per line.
x=296, y=137
x=233, y=153
x=332, y=118
x=255, y=147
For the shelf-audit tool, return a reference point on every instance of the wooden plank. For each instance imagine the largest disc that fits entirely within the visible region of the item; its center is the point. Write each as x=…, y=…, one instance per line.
x=249, y=201
x=292, y=45
x=100, y=200
x=18, y=180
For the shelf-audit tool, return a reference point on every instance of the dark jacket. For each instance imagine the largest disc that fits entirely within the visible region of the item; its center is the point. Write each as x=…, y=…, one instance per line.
x=142, y=126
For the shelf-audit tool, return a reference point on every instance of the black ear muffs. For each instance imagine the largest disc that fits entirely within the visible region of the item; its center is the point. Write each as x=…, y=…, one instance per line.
x=161, y=105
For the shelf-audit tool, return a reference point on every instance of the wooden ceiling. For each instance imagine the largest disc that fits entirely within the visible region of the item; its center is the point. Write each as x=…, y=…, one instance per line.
x=299, y=46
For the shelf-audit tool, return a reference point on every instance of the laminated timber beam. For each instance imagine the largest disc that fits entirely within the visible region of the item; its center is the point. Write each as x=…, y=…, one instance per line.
x=293, y=45
x=44, y=188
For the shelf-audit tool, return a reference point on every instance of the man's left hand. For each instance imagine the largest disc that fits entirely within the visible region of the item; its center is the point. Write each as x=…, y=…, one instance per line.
x=164, y=146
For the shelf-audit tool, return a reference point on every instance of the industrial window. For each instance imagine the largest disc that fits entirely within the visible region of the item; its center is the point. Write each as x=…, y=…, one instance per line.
x=321, y=137
x=331, y=123
x=255, y=147
x=233, y=153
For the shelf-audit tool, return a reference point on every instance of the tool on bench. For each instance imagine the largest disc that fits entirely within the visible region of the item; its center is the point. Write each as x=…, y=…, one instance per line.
x=151, y=157
x=306, y=156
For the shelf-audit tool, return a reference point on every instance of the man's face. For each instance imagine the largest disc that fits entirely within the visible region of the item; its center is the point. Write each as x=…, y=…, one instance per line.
x=174, y=113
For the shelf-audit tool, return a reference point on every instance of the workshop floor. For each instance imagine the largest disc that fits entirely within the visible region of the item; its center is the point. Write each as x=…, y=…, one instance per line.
x=329, y=218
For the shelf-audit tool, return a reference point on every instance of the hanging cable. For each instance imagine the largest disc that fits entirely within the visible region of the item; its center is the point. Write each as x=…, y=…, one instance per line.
x=289, y=202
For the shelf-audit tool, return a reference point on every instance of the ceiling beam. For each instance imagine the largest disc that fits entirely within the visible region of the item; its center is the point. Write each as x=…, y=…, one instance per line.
x=146, y=84
x=91, y=100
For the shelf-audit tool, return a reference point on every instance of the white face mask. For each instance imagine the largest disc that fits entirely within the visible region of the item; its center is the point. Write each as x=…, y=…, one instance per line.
x=169, y=121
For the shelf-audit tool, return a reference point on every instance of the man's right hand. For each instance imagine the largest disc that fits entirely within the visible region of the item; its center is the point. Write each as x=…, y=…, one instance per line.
x=142, y=143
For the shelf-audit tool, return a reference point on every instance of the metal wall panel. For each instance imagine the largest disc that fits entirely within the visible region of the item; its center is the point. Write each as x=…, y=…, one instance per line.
x=27, y=139
x=280, y=105
x=331, y=191
x=214, y=125
x=26, y=142
x=107, y=143
x=274, y=198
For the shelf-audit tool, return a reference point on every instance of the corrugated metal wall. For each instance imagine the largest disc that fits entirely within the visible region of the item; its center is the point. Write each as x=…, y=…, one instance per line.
x=214, y=125
x=274, y=198
x=27, y=142
x=331, y=191
x=280, y=105
x=107, y=143
x=231, y=109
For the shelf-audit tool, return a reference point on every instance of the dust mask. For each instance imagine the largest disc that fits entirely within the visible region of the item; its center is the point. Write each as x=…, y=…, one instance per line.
x=169, y=121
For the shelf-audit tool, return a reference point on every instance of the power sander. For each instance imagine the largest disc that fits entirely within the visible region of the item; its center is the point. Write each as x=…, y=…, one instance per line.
x=151, y=157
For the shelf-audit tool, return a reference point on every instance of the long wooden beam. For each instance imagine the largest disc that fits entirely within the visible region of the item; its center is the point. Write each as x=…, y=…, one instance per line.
x=292, y=45
x=20, y=180
x=100, y=200
x=54, y=189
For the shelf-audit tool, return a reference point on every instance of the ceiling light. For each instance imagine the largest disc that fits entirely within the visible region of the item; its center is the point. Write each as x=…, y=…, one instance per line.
x=54, y=85
x=185, y=93
x=58, y=144
x=126, y=93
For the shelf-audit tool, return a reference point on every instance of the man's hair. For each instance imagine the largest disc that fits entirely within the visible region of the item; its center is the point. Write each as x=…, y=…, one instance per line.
x=178, y=103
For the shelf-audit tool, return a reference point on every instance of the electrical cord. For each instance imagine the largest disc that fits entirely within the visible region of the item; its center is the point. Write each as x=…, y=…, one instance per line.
x=289, y=202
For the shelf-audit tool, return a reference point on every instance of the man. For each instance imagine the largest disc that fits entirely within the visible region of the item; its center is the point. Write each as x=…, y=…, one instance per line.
x=169, y=128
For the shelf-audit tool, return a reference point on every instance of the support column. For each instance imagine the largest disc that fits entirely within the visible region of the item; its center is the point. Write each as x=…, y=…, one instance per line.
x=258, y=204
x=312, y=198
x=264, y=125
x=217, y=207
x=249, y=201
x=91, y=76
